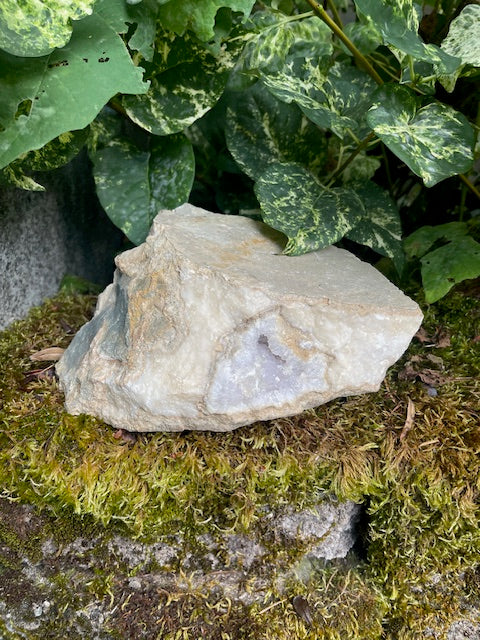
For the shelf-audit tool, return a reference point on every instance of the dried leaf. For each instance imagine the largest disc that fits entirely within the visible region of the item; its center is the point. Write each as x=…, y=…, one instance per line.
x=409, y=419
x=126, y=436
x=422, y=336
x=50, y=354
x=439, y=340
x=431, y=377
x=302, y=609
x=442, y=338
x=38, y=374
x=435, y=359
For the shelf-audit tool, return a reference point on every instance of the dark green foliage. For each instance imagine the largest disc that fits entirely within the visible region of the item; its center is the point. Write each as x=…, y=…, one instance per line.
x=319, y=124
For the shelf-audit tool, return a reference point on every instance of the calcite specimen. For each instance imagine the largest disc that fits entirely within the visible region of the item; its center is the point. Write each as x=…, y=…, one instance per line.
x=207, y=326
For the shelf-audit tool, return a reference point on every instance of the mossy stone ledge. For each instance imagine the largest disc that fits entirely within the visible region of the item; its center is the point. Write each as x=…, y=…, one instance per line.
x=87, y=519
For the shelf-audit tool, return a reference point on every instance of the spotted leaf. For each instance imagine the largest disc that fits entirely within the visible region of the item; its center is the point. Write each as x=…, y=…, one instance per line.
x=335, y=99
x=186, y=83
x=397, y=21
x=311, y=216
x=274, y=41
x=463, y=41
x=260, y=130
x=198, y=15
x=133, y=185
x=35, y=27
x=435, y=141
x=380, y=227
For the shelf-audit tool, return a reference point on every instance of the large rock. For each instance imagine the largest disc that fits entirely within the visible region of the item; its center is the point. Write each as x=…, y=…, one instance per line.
x=208, y=326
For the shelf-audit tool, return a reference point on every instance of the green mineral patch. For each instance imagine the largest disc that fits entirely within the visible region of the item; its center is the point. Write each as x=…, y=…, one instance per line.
x=408, y=453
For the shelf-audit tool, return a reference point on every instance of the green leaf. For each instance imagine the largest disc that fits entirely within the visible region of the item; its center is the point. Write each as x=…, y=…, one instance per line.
x=260, y=130
x=55, y=153
x=274, y=39
x=13, y=176
x=463, y=37
x=418, y=243
x=144, y=16
x=380, y=227
x=269, y=52
x=447, y=266
x=133, y=185
x=198, y=15
x=436, y=141
x=311, y=216
x=364, y=36
x=397, y=21
x=187, y=81
x=41, y=98
x=463, y=41
x=361, y=168
x=35, y=27
x=337, y=100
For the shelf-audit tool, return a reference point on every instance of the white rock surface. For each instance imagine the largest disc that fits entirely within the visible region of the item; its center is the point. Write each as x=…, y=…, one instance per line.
x=207, y=326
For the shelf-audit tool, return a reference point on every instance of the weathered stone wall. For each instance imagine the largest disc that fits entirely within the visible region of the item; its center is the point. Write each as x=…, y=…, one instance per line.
x=45, y=235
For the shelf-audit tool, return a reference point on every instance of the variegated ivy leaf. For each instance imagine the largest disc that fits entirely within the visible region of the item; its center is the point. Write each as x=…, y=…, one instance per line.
x=260, y=130
x=463, y=41
x=364, y=36
x=198, y=15
x=269, y=51
x=311, y=216
x=41, y=98
x=54, y=154
x=34, y=28
x=397, y=21
x=380, y=227
x=361, y=168
x=186, y=82
x=274, y=39
x=13, y=176
x=337, y=100
x=133, y=185
x=436, y=141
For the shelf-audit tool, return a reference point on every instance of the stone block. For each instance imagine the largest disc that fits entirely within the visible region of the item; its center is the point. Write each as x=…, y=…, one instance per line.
x=48, y=234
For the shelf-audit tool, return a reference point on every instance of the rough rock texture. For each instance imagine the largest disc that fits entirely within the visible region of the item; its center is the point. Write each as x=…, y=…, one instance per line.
x=45, y=235
x=208, y=326
x=85, y=588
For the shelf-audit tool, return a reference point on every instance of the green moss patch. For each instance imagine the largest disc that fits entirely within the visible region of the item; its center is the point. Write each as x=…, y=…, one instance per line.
x=417, y=477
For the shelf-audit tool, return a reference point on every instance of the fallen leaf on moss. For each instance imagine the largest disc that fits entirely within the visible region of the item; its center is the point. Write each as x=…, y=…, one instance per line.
x=302, y=609
x=126, y=436
x=409, y=419
x=415, y=368
x=50, y=354
x=439, y=340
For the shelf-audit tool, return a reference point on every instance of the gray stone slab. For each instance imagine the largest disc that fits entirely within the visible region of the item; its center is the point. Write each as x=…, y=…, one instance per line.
x=46, y=235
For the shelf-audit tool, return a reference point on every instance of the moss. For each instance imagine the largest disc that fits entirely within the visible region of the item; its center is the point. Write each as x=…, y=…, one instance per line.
x=419, y=484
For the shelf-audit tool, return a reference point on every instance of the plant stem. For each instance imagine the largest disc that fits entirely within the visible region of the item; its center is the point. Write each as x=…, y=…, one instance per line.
x=321, y=13
x=464, y=178
x=116, y=106
x=365, y=142
x=469, y=184
x=336, y=15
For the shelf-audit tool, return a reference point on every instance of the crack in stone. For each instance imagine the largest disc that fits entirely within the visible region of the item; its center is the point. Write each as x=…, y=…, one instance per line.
x=263, y=340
